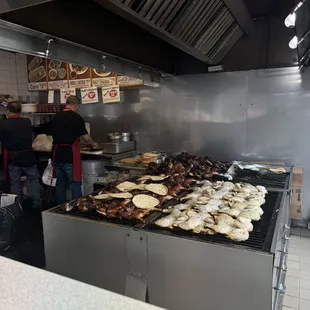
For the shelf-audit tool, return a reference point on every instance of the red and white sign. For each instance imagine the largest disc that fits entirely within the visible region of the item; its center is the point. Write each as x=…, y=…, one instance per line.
x=89, y=95
x=111, y=94
x=65, y=93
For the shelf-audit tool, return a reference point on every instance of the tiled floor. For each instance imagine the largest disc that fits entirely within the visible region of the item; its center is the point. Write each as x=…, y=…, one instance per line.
x=297, y=282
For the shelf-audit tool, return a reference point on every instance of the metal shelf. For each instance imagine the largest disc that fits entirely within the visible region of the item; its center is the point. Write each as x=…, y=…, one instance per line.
x=38, y=114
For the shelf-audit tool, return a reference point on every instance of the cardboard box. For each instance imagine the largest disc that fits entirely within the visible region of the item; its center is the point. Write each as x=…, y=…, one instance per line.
x=296, y=198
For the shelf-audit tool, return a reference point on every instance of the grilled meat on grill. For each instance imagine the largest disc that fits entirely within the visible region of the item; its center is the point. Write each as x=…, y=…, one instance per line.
x=188, y=165
x=85, y=204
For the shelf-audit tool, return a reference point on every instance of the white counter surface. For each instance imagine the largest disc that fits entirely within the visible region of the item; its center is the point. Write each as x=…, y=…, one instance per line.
x=24, y=287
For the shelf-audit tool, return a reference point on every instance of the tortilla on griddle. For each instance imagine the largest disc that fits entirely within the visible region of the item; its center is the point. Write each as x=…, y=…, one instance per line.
x=145, y=201
x=153, y=177
x=158, y=189
x=102, y=196
x=125, y=186
x=120, y=195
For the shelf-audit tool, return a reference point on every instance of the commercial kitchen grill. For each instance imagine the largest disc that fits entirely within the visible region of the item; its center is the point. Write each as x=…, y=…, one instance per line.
x=129, y=259
x=260, y=237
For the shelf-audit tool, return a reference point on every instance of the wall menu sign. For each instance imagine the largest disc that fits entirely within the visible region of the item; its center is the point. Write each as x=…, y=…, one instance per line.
x=111, y=94
x=79, y=76
x=44, y=74
x=65, y=93
x=57, y=74
x=89, y=95
x=36, y=69
x=101, y=78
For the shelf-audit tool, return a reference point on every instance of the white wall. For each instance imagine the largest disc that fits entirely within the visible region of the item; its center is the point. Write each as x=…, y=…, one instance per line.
x=13, y=77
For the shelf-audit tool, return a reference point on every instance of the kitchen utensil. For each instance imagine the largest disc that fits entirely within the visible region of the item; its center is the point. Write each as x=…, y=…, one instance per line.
x=126, y=136
x=114, y=137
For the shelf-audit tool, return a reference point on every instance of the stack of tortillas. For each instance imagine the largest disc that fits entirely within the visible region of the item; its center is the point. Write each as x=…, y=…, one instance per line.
x=149, y=158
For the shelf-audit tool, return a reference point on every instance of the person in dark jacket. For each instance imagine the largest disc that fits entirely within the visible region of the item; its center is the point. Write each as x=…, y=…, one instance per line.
x=67, y=129
x=18, y=156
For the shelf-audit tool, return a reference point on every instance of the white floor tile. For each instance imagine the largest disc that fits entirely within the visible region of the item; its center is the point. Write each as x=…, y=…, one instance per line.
x=303, y=242
x=291, y=302
x=305, y=259
x=292, y=291
x=305, y=266
x=297, y=281
x=295, y=265
x=295, y=250
x=294, y=257
x=291, y=281
x=305, y=294
x=295, y=273
x=294, y=239
x=304, y=283
x=304, y=274
x=304, y=304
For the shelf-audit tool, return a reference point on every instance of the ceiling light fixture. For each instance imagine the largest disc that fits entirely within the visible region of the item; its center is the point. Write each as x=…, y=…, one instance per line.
x=290, y=20
x=293, y=43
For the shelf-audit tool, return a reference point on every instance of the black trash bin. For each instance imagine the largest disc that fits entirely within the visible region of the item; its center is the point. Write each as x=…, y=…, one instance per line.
x=10, y=213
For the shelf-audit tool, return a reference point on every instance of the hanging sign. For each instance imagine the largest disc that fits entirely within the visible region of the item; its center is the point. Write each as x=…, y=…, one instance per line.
x=111, y=94
x=79, y=76
x=101, y=78
x=65, y=93
x=57, y=74
x=89, y=95
x=36, y=67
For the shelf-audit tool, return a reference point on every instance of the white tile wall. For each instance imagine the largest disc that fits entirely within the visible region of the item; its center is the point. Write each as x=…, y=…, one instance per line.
x=13, y=76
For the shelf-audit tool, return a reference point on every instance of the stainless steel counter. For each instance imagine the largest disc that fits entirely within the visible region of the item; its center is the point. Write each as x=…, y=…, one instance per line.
x=174, y=272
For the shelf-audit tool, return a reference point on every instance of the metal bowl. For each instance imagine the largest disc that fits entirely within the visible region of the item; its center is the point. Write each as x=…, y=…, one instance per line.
x=114, y=137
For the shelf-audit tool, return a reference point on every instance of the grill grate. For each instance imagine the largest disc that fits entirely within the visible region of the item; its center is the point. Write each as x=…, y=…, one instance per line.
x=260, y=238
x=273, y=180
x=94, y=216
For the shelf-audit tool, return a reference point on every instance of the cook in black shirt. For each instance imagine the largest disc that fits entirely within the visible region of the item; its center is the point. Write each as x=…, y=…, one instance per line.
x=67, y=128
x=18, y=156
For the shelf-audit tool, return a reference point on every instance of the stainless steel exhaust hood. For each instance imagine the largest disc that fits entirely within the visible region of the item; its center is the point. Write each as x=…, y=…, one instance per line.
x=172, y=36
x=205, y=29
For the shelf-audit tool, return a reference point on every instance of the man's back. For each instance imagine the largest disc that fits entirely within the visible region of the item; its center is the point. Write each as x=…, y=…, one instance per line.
x=16, y=137
x=67, y=126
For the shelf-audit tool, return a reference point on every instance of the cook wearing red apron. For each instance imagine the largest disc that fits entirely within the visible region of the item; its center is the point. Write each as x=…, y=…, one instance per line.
x=67, y=128
x=18, y=156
